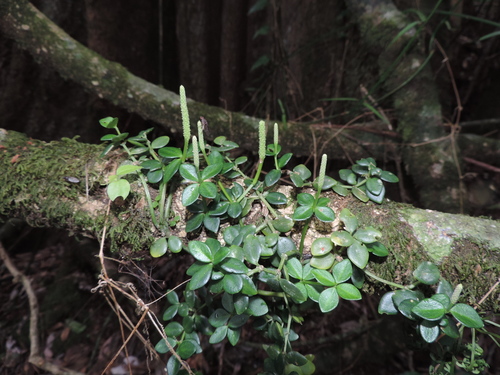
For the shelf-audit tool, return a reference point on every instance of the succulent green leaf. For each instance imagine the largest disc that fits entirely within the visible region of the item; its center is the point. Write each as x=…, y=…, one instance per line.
x=170, y=170
x=389, y=177
x=296, y=358
x=233, y=335
x=360, y=170
x=340, y=190
x=249, y=287
x=378, y=249
x=313, y=292
x=303, y=171
x=118, y=188
x=188, y=171
x=276, y=198
x=219, y=335
x=190, y=194
x=294, y=268
x=200, y=251
x=171, y=312
x=324, y=277
x=240, y=160
x=328, y=300
x=221, y=254
x=126, y=169
x=160, y=142
x=285, y=245
x=159, y=247
x=305, y=199
x=233, y=265
x=290, y=289
x=237, y=321
x=376, y=198
x=349, y=219
x=321, y=246
x=208, y=189
x=283, y=224
x=358, y=277
x=271, y=239
x=155, y=176
x=211, y=171
x=428, y=331
x=218, y=209
x=172, y=297
x=302, y=213
x=367, y=235
x=427, y=273
x=325, y=214
x=219, y=318
x=174, y=329
x=241, y=303
x=401, y=295
x=228, y=302
x=211, y=223
x=170, y=152
x=348, y=292
x=429, y=309
x=151, y=164
x=201, y=277
x=443, y=299
x=272, y=177
x=234, y=210
x=406, y=308
x=173, y=366
x=252, y=249
x=342, y=271
x=296, y=179
x=386, y=304
x=342, y=238
x=186, y=349
x=467, y=316
x=232, y=283
x=195, y=222
x=360, y=194
x=374, y=185
x=445, y=287
x=345, y=174
x=328, y=183
x=162, y=347
x=449, y=327
x=109, y=122
x=366, y=162
x=282, y=161
x=358, y=254
x=323, y=262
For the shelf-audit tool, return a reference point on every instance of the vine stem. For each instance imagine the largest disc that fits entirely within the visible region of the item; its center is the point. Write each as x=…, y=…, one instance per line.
x=390, y=283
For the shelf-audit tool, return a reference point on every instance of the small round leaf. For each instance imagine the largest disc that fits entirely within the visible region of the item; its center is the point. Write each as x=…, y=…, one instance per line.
x=159, y=247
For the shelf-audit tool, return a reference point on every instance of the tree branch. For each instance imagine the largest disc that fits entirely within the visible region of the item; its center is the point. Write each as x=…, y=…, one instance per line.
x=54, y=48
x=466, y=248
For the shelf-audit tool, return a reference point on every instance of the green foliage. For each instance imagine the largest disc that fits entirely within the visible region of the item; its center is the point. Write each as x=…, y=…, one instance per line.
x=253, y=271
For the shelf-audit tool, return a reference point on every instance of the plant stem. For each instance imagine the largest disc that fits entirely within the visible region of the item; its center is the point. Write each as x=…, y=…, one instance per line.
x=387, y=282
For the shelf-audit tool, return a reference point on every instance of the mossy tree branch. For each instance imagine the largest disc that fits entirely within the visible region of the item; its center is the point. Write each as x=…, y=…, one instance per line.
x=35, y=187
x=54, y=48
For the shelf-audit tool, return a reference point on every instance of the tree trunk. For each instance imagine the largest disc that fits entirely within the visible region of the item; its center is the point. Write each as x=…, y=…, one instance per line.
x=62, y=184
x=435, y=166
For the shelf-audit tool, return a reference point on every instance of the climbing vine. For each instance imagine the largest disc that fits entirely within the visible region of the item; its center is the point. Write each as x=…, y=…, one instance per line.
x=253, y=270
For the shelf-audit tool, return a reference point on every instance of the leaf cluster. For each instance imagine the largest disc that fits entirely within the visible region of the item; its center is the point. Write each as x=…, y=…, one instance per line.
x=252, y=271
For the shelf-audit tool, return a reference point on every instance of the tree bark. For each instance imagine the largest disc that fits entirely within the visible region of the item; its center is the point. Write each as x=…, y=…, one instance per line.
x=434, y=166
x=63, y=184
